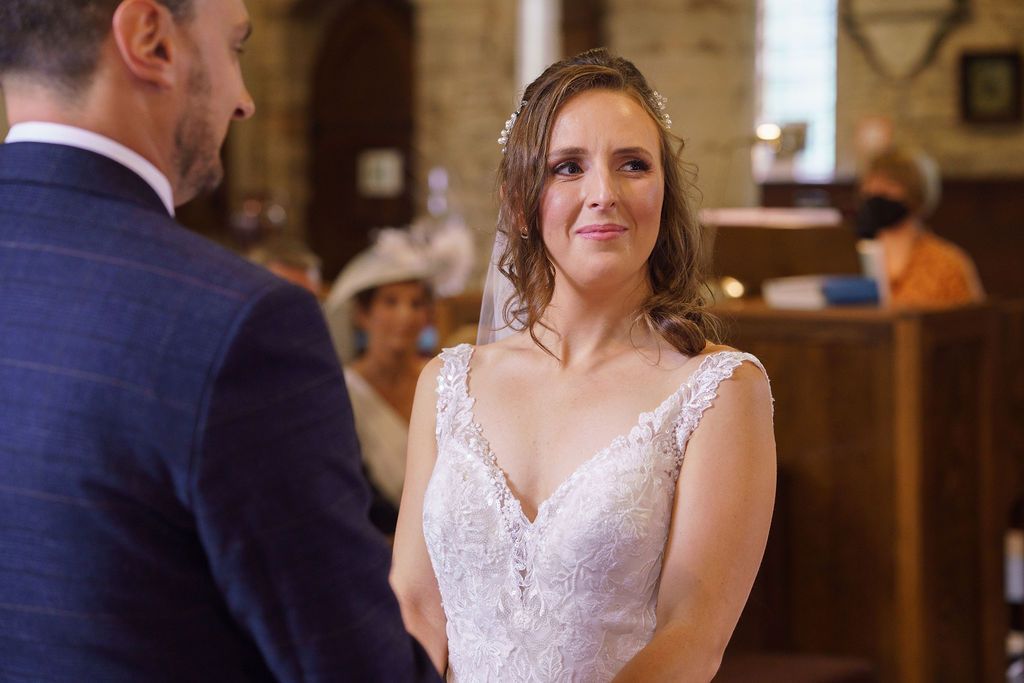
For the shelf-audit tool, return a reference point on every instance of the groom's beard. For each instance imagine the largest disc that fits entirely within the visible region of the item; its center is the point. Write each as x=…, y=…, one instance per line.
x=196, y=148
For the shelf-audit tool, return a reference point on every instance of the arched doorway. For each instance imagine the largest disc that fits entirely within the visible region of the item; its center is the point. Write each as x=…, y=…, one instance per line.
x=362, y=126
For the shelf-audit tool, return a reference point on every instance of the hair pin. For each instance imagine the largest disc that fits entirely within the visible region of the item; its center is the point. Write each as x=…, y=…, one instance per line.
x=507, y=131
x=661, y=102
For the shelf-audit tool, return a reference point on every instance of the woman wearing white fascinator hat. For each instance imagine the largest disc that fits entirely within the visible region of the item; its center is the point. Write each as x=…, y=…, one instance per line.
x=386, y=293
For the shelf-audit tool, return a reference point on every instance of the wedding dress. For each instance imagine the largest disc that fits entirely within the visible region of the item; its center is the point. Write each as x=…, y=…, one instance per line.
x=570, y=596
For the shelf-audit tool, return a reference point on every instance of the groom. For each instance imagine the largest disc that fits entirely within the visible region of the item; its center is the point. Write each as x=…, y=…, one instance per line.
x=180, y=492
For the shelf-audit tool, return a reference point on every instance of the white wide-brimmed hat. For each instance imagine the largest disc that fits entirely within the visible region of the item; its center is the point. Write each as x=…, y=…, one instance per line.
x=440, y=256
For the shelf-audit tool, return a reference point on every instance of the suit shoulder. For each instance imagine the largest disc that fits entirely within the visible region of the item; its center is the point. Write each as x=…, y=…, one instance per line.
x=216, y=262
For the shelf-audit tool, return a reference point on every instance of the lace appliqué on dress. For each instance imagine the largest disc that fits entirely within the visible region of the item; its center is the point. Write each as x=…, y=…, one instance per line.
x=570, y=596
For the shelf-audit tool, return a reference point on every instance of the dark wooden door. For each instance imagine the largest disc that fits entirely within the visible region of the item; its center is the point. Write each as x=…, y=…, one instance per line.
x=362, y=103
x=583, y=26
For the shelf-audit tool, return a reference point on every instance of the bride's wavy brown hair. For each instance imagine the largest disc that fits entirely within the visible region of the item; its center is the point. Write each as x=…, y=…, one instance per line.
x=676, y=308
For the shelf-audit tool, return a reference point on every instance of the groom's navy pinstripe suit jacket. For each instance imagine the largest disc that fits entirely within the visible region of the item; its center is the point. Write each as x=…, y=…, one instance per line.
x=180, y=491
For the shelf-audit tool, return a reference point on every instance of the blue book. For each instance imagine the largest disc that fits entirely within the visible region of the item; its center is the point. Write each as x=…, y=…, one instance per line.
x=848, y=290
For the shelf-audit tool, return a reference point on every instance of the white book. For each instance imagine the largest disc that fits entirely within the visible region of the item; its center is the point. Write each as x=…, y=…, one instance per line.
x=803, y=291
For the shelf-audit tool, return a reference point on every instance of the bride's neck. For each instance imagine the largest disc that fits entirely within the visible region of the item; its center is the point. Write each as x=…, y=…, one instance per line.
x=581, y=324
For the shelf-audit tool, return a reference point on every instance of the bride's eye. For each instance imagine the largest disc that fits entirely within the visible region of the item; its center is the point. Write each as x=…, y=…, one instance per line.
x=636, y=165
x=567, y=168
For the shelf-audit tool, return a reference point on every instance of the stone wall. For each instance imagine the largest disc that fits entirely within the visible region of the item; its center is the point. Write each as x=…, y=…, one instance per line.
x=700, y=54
x=464, y=84
x=925, y=110
x=269, y=154
x=465, y=90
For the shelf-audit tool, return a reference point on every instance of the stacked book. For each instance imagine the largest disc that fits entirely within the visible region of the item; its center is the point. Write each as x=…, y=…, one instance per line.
x=819, y=291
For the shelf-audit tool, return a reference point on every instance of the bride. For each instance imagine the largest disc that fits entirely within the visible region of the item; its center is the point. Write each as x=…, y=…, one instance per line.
x=546, y=532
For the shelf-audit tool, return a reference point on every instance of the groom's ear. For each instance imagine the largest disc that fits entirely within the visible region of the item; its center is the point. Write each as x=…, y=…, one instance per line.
x=144, y=34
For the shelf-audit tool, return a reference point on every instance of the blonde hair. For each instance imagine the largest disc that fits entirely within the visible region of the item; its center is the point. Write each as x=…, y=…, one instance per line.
x=915, y=172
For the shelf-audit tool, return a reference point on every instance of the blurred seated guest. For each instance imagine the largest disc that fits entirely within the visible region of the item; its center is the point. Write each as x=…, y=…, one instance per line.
x=379, y=311
x=292, y=261
x=898, y=191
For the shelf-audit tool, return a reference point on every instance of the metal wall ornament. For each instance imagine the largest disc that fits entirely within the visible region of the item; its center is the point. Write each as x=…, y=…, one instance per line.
x=901, y=41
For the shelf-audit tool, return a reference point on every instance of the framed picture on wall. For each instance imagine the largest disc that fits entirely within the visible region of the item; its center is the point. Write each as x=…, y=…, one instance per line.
x=990, y=87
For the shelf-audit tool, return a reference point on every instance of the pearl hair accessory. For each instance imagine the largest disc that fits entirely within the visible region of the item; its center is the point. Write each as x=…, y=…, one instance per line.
x=660, y=103
x=507, y=131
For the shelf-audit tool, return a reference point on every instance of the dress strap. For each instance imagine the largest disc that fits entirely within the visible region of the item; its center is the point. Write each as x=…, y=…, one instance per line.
x=713, y=370
x=452, y=386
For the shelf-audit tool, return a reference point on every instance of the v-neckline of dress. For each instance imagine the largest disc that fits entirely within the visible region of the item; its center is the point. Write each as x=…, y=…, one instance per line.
x=490, y=459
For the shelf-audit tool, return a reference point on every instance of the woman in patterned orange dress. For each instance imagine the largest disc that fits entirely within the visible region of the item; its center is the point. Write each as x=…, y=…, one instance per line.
x=923, y=269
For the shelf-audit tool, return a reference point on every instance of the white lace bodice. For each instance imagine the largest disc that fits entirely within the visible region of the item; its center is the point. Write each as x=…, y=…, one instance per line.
x=570, y=596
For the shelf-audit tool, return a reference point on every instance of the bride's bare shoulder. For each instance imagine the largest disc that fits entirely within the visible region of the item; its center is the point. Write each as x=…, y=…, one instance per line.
x=681, y=365
x=516, y=348
x=747, y=377
x=711, y=348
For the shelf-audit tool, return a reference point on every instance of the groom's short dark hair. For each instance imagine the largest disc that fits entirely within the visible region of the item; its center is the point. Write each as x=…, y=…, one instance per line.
x=59, y=40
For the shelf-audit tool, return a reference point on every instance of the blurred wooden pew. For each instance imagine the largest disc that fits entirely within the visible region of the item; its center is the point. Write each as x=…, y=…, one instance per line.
x=900, y=450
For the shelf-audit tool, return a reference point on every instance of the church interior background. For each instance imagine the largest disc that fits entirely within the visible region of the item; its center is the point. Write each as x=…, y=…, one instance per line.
x=897, y=549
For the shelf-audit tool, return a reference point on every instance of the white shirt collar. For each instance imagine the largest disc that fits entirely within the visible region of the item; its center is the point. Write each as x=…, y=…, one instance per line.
x=59, y=134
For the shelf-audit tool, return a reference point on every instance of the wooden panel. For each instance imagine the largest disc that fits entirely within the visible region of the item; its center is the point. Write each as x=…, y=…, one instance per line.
x=1006, y=476
x=753, y=254
x=986, y=217
x=884, y=422
x=907, y=464
x=956, y=392
x=1009, y=406
x=831, y=381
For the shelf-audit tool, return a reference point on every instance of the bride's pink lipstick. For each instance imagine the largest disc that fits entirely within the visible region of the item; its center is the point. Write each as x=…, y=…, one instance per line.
x=603, y=232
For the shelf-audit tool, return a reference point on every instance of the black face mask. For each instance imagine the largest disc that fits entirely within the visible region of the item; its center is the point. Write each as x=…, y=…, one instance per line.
x=877, y=213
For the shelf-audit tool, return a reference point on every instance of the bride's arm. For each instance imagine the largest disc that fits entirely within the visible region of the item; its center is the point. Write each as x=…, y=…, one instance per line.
x=723, y=508
x=412, y=575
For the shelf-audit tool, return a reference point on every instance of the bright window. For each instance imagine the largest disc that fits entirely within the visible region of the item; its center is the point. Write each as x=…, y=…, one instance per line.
x=797, y=80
